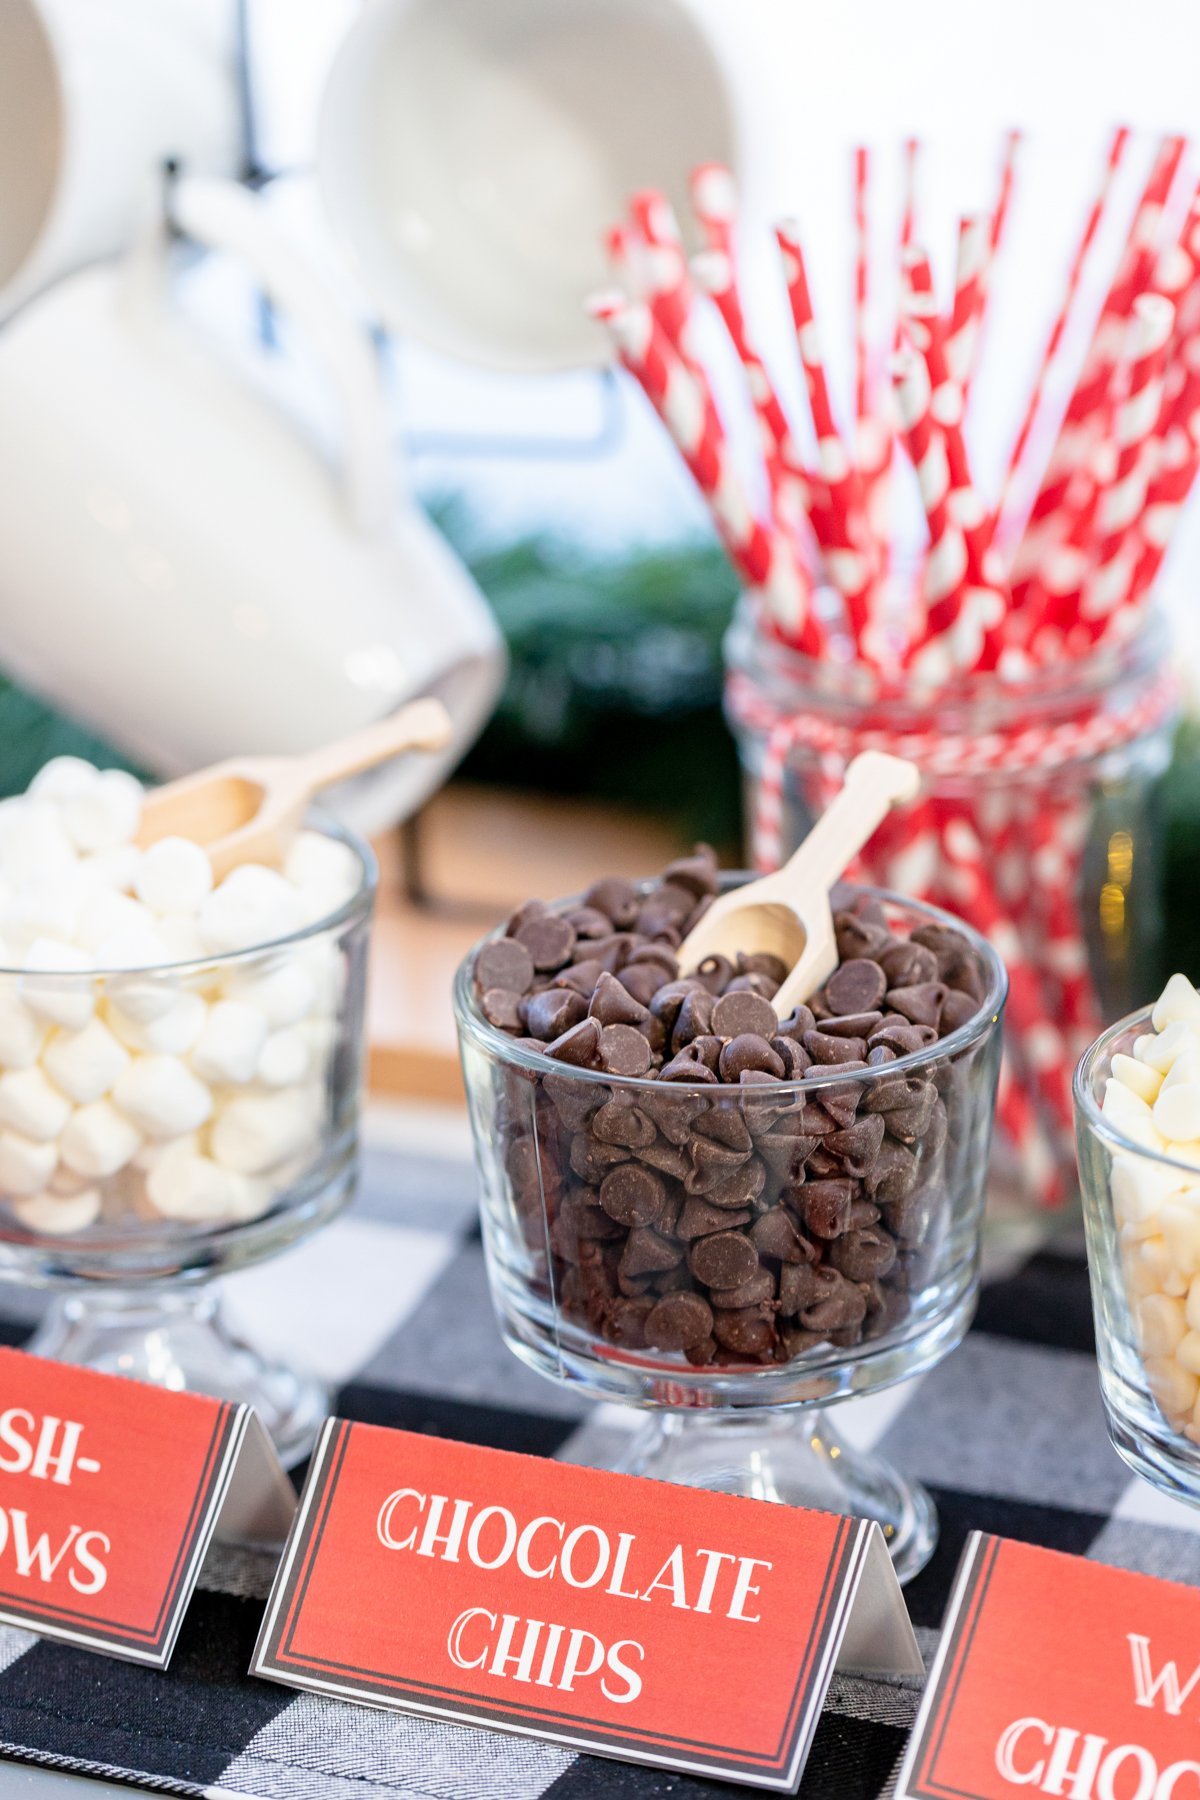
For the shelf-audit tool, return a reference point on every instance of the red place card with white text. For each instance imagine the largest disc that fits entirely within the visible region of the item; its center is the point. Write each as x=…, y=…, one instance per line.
x=1059, y=1676
x=660, y=1624
x=110, y=1492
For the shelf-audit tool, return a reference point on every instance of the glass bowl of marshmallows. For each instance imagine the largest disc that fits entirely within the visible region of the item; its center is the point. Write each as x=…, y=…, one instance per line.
x=180, y=1074
x=1137, y=1111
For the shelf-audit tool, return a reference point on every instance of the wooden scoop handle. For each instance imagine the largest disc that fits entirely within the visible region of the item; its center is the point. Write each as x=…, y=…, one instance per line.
x=421, y=725
x=874, y=783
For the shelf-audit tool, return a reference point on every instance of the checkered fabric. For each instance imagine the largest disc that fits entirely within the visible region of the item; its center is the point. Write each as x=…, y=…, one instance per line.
x=1007, y=1432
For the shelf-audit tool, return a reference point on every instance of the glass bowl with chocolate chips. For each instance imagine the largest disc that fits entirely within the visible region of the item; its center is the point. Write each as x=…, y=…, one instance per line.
x=730, y=1218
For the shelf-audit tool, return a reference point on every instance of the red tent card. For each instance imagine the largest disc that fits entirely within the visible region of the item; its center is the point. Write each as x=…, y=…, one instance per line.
x=110, y=1492
x=1059, y=1676
x=664, y=1625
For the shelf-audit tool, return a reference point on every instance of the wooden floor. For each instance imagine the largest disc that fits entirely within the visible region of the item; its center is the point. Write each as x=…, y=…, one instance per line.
x=479, y=853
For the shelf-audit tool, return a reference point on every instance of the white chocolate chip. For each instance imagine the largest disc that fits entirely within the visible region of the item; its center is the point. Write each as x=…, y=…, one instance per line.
x=1138, y=1077
x=1178, y=1000
x=1176, y=1389
x=1162, y=1325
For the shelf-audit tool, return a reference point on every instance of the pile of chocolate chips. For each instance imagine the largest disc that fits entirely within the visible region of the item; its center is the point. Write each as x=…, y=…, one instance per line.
x=718, y=1213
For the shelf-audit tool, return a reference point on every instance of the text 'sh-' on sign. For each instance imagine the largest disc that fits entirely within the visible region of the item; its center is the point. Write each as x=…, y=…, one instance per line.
x=1059, y=1676
x=664, y=1625
x=110, y=1492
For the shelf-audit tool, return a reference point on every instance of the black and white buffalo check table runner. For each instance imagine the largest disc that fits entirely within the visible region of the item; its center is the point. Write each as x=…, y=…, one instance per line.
x=1007, y=1432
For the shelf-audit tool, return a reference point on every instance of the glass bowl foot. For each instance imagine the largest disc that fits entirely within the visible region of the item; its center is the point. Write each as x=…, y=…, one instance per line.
x=794, y=1458
x=179, y=1340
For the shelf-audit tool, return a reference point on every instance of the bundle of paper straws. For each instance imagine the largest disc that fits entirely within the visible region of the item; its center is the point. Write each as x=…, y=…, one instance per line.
x=1006, y=591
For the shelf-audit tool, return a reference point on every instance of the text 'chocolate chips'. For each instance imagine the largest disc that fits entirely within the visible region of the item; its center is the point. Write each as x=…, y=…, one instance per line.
x=698, y=1194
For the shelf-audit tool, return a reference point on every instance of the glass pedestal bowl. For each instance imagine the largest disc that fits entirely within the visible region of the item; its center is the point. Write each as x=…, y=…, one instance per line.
x=755, y=1419
x=209, y=1120
x=1141, y=1213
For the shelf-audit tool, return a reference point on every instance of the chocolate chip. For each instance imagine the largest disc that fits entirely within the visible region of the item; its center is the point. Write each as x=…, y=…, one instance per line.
x=794, y=1057
x=646, y=1252
x=530, y=909
x=632, y=1194
x=758, y=1291
x=762, y=985
x=669, y=998
x=684, y=1068
x=907, y=963
x=747, y=1332
x=904, y=1039
x=678, y=1321
x=624, y=1051
x=800, y=1285
x=502, y=1008
x=826, y=1049
x=613, y=1004
x=715, y=972
x=747, y=1051
x=626, y=1322
x=893, y=1174
x=591, y=1160
x=700, y=1218
x=863, y=1255
x=581, y=977
x=957, y=1009
x=727, y=1125
x=697, y=872
x=742, y=1187
x=921, y=1004
x=825, y=1204
x=774, y=1234
x=723, y=1260
x=504, y=963
x=617, y=1122
x=855, y=1025
x=580, y=1046
x=740, y=1014
x=693, y=1020
x=616, y=898
x=840, y=1306
x=549, y=939
x=857, y=986
x=548, y=1014
x=858, y=1145
x=857, y=937
x=763, y=962
x=798, y=1021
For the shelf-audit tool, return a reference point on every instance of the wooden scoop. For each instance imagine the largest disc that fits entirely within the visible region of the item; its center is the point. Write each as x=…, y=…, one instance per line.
x=248, y=809
x=788, y=913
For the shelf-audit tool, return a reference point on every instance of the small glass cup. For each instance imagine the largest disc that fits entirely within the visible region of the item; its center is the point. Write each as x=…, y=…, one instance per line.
x=753, y=1423
x=1142, y=1217
x=128, y=1220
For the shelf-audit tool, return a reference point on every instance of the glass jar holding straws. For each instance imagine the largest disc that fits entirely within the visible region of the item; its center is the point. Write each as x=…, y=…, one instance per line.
x=1020, y=663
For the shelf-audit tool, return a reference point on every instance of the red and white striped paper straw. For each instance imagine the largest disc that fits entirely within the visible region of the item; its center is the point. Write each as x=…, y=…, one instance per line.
x=970, y=293
x=1037, y=393
x=862, y=260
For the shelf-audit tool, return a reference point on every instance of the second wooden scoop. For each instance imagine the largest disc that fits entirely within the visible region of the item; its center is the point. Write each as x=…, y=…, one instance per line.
x=788, y=913
x=248, y=809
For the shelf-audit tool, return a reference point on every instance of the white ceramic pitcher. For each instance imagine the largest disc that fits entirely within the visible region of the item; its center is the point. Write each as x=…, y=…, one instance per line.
x=178, y=565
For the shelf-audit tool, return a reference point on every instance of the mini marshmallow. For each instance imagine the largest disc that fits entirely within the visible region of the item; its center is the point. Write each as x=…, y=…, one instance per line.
x=1138, y=1077
x=1161, y=1325
x=253, y=905
x=45, y=906
x=230, y=1044
x=139, y=948
x=182, y=939
x=143, y=998
x=1178, y=1000
x=286, y=1059
x=32, y=1105
x=116, y=868
x=109, y=916
x=98, y=1141
x=175, y=876
x=106, y=814
x=66, y=1002
x=84, y=1064
x=187, y=1186
x=162, y=1096
x=254, y=1132
x=63, y=778
x=284, y=992
x=170, y=1033
x=316, y=861
x=32, y=841
x=25, y=1166
x=59, y=1217
x=22, y=1033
